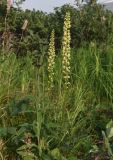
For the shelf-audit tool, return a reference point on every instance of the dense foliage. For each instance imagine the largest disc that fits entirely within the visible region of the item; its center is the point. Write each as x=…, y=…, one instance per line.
x=40, y=121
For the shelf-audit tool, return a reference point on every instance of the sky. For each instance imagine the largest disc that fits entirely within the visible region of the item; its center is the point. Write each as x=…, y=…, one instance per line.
x=45, y=5
x=48, y=5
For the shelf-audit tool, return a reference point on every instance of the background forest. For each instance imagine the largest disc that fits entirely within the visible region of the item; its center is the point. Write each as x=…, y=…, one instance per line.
x=56, y=83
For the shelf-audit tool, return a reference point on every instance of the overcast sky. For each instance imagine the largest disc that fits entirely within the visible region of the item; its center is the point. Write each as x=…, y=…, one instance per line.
x=48, y=5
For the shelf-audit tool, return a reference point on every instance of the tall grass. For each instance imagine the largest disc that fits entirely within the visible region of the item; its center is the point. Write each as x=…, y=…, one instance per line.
x=62, y=123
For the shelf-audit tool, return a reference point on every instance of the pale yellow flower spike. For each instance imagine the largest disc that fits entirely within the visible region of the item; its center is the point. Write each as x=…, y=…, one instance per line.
x=51, y=59
x=66, y=52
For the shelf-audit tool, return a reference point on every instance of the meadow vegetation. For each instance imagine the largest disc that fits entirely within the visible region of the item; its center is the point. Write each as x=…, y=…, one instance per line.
x=56, y=83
